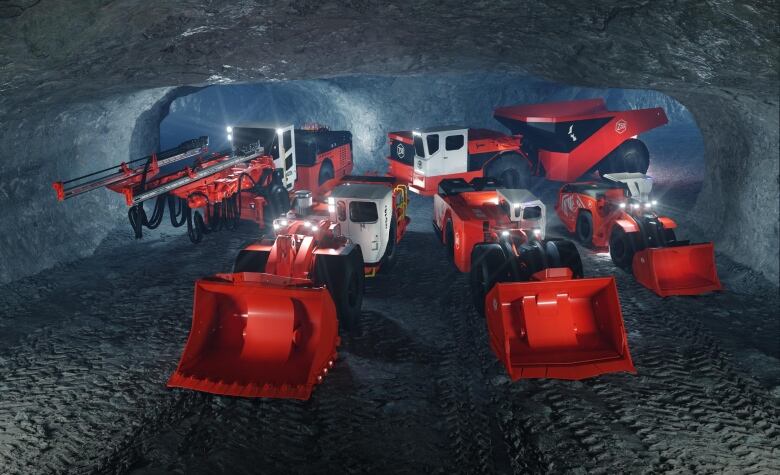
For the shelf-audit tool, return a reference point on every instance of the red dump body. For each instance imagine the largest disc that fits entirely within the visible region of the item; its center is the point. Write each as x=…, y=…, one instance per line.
x=558, y=327
x=573, y=136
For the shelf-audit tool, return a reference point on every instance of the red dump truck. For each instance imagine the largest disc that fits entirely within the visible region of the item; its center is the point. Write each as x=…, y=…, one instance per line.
x=559, y=141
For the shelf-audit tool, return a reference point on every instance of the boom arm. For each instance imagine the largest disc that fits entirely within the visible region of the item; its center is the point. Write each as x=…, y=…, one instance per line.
x=148, y=166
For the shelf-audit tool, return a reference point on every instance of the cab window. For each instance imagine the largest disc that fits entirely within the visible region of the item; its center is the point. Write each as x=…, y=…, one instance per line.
x=532, y=212
x=287, y=140
x=433, y=143
x=418, y=146
x=363, y=212
x=453, y=142
x=341, y=210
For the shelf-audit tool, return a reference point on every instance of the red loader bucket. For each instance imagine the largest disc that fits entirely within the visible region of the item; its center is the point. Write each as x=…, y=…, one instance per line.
x=678, y=270
x=562, y=329
x=254, y=339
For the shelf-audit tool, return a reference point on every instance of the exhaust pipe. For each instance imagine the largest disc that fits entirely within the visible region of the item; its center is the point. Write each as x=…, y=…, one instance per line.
x=303, y=202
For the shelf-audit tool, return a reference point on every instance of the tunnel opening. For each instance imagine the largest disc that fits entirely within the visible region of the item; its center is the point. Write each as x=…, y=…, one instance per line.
x=370, y=106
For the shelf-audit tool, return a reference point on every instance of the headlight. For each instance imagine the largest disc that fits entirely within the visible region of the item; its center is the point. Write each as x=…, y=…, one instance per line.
x=229, y=129
x=279, y=131
x=331, y=201
x=283, y=222
x=648, y=205
x=622, y=206
x=276, y=226
x=504, y=233
x=537, y=232
x=635, y=205
x=307, y=224
x=654, y=202
x=230, y=137
x=315, y=228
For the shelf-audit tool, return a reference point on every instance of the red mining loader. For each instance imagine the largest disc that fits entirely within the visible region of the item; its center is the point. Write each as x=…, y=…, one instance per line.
x=618, y=212
x=270, y=328
x=544, y=319
x=560, y=141
x=370, y=211
x=253, y=183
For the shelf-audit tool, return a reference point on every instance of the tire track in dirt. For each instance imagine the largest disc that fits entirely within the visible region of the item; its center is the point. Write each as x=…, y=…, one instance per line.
x=417, y=391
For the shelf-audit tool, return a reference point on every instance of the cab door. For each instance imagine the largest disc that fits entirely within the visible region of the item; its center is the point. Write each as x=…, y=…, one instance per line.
x=360, y=221
x=286, y=161
x=454, y=149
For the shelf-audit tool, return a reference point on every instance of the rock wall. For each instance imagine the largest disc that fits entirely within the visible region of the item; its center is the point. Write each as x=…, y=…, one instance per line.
x=738, y=204
x=719, y=59
x=44, y=146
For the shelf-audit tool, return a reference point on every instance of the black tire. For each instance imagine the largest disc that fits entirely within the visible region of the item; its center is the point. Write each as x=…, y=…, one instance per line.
x=326, y=172
x=449, y=238
x=345, y=280
x=277, y=202
x=621, y=248
x=563, y=253
x=488, y=267
x=511, y=169
x=251, y=261
x=631, y=156
x=584, y=228
x=391, y=251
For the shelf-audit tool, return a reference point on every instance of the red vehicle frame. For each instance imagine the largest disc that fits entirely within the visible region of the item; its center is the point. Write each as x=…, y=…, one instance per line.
x=560, y=141
x=605, y=215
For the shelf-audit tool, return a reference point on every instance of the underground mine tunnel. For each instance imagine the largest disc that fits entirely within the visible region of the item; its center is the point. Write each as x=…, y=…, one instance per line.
x=598, y=291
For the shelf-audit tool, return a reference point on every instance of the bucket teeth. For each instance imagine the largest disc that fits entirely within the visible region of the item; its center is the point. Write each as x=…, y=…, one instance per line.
x=250, y=339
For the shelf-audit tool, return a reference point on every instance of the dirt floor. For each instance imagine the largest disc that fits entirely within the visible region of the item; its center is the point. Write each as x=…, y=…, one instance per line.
x=86, y=349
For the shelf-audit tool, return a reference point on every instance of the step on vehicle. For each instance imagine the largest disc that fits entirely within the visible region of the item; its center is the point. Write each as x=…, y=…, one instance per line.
x=271, y=327
x=544, y=319
x=618, y=212
x=559, y=141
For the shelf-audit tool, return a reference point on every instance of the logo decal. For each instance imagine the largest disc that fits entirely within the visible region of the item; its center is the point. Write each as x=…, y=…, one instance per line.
x=419, y=163
x=571, y=133
x=570, y=203
x=400, y=150
x=621, y=126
